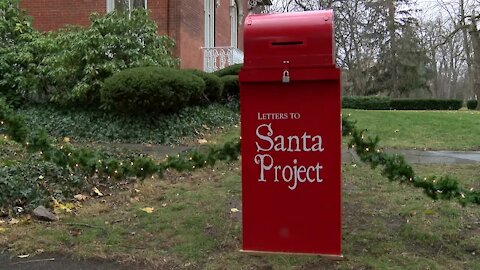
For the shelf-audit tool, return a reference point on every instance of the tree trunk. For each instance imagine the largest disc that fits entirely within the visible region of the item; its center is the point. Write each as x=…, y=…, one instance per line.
x=475, y=34
x=467, y=49
x=393, y=46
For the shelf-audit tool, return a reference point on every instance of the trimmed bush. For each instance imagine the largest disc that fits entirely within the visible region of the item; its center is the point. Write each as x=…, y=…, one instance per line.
x=213, y=86
x=231, y=87
x=386, y=103
x=150, y=90
x=230, y=70
x=366, y=103
x=426, y=104
x=472, y=104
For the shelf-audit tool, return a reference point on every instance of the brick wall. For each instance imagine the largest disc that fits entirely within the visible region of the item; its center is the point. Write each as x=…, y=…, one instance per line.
x=54, y=14
x=191, y=33
x=182, y=20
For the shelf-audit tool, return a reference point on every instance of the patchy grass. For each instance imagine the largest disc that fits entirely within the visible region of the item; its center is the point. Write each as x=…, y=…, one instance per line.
x=385, y=225
x=437, y=130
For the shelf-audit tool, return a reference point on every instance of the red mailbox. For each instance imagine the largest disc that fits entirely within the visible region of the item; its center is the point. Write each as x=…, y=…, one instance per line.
x=291, y=135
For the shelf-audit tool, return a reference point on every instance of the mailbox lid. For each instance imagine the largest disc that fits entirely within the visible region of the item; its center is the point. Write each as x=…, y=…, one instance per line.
x=301, y=38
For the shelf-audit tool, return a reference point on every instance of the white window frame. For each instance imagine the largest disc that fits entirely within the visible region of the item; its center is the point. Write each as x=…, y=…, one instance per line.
x=209, y=8
x=111, y=5
x=233, y=24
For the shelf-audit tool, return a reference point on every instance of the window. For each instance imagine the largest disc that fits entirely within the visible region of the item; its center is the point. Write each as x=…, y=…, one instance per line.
x=209, y=6
x=125, y=5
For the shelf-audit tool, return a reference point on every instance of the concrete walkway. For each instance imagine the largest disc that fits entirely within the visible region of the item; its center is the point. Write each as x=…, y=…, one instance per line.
x=424, y=157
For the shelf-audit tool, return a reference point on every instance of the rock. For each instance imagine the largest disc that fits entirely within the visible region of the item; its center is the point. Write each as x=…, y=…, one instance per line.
x=42, y=213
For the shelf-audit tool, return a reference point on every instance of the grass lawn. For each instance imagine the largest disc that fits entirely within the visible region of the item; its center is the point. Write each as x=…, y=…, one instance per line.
x=185, y=220
x=385, y=225
x=433, y=130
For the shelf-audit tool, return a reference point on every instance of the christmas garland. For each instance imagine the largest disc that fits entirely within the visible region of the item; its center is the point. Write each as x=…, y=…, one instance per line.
x=93, y=162
x=395, y=168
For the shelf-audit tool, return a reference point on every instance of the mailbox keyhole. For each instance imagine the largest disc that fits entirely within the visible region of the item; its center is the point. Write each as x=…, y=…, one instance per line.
x=286, y=77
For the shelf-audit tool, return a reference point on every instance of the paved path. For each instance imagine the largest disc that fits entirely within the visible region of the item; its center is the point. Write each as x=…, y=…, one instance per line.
x=57, y=262
x=425, y=157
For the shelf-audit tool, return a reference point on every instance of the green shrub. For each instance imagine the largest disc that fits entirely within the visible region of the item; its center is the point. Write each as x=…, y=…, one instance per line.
x=32, y=182
x=231, y=87
x=230, y=70
x=150, y=90
x=426, y=104
x=17, y=54
x=386, y=103
x=69, y=66
x=213, y=86
x=366, y=103
x=472, y=104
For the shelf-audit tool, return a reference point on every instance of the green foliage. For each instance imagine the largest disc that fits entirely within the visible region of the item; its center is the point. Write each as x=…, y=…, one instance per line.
x=426, y=104
x=231, y=87
x=366, y=103
x=100, y=126
x=472, y=104
x=81, y=163
x=213, y=86
x=14, y=23
x=35, y=181
x=150, y=90
x=386, y=103
x=69, y=66
x=16, y=35
x=230, y=70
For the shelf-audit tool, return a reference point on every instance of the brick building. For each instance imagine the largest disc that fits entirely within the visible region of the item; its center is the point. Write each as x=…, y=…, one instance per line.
x=208, y=33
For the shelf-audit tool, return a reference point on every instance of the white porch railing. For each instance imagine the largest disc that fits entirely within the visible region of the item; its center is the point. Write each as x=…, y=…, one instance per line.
x=216, y=58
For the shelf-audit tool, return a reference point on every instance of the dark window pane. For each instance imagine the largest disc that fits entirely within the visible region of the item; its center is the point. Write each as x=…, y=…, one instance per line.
x=138, y=3
x=121, y=5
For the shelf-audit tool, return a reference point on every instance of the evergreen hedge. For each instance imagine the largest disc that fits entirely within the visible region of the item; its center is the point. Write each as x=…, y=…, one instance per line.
x=230, y=70
x=231, y=87
x=386, y=103
x=150, y=90
x=472, y=104
x=213, y=86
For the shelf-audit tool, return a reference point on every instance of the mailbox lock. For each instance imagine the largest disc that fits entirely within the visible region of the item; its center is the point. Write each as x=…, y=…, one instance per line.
x=286, y=77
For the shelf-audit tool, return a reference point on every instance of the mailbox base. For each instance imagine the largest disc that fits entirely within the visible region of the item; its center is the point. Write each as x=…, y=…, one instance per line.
x=325, y=256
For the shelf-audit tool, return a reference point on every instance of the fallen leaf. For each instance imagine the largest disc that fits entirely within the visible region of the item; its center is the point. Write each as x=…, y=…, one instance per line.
x=60, y=207
x=80, y=197
x=13, y=221
x=148, y=210
x=429, y=212
x=134, y=199
x=202, y=141
x=234, y=210
x=96, y=191
x=23, y=256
